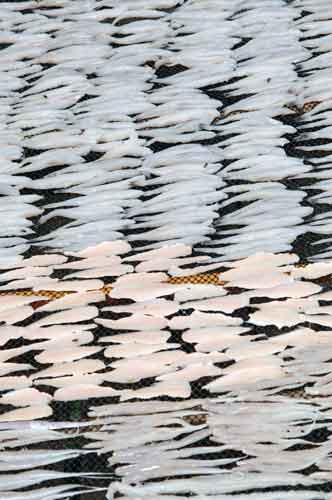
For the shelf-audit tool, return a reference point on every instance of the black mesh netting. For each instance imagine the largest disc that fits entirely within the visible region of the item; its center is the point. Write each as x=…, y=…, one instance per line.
x=165, y=294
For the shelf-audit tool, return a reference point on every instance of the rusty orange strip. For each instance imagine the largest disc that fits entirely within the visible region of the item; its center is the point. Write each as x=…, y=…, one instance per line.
x=199, y=279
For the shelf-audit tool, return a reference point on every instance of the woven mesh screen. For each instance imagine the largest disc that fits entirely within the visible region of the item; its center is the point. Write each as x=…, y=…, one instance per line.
x=165, y=249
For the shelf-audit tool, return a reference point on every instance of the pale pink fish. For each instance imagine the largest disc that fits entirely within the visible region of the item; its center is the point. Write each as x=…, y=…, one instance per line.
x=202, y=319
x=14, y=382
x=16, y=301
x=141, y=337
x=141, y=321
x=54, y=332
x=68, y=354
x=172, y=389
x=191, y=373
x=91, y=262
x=27, y=272
x=171, y=357
x=134, y=370
x=302, y=337
x=296, y=289
x=68, y=381
x=176, y=271
x=247, y=372
x=6, y=354
x=73, y=338
x=105, y=249
x=253, y=350
x=312, y=271
x=132, y=350
x=74, y=368
x=166, y=264
x=166, y=252
x=45, y=260
x=36, y=283
x=73, y=300
x=227, y=304
x=284, y=313
x=142, y=286
x=151, y=365
x=197, y=292
x=70, y=285
x=136, y=278
x=28, y=413
x=6, y=368
x=73, y=315
x=25, y=397
x=143, y=291
x=260, y=271
x=84, y=391
x=15, y=315
x=109, y=270
x=157, y=307
x=216, y=338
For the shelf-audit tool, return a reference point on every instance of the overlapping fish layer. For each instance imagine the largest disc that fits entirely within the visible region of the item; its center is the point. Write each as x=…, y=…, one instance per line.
x=149, y=372
x=162, y=122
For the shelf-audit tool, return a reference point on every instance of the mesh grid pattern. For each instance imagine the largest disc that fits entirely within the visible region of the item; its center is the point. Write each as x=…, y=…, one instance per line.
x=165, y=253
